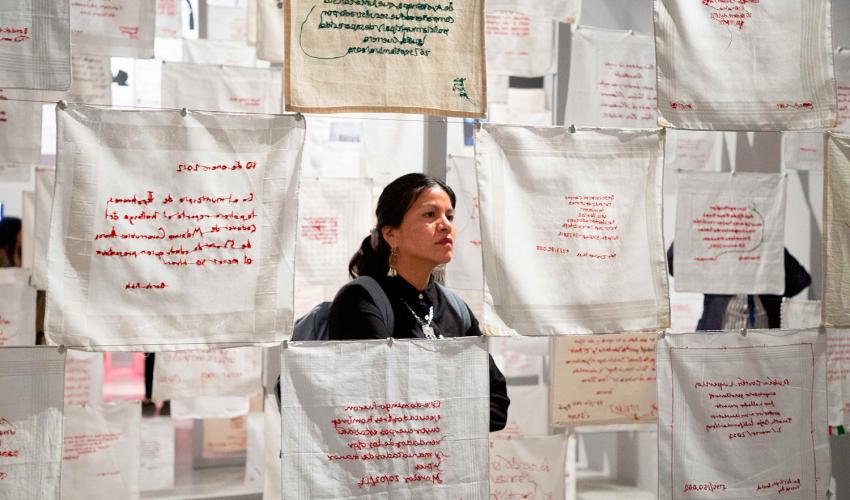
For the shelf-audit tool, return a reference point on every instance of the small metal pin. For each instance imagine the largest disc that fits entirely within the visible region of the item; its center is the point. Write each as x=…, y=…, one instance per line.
x=184, y=112
x=744, y=331
x=299, y=117
x=477, y=125
x=62, y=349
x=286, y=344
x=390, y=341
x=572, y=128
x=62, y=104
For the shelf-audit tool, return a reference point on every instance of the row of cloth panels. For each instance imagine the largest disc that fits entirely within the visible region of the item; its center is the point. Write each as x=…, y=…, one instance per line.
x=554, y=207
x=692, y=63
x=349, y=432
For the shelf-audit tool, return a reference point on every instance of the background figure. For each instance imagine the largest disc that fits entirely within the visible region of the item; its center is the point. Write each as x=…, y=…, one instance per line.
x=732, y=312
x=10, y=242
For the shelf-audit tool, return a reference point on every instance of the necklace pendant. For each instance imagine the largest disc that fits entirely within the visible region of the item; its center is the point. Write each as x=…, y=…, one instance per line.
x=429, y=332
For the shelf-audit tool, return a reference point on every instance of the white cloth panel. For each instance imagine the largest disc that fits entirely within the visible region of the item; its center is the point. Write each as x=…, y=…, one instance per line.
x=14, y=173
x=522, y=107
x=251, y=19
x=227, y=23
x=558, y=207
x=802, y=150
x=391, y=145
x=83, y=378
x=334, y=215
x=203, y=51
x=519, y=357
x=270, y=31
x=17, y=309
x=743, y=417
x=612, y=79
x=465, y=272
x=218, y=372
x=376, y=58
x=210, y=407
x=531, y=467
x=842, y=78
x=332, y=147
x=35, y=51
x=838, y=377
x=730, y=232
x=836, y=232
x=113, y=28
x=221, y=88
x=796, y=314
x=272, y=483
x=519, y=42
x=156, y=459
x=604, y=380
x=20, y=127
x=385, y=419
x=92, y=82
x=221, y=187
x=169, y=19
x=526, y=416
x=101, y=448
x=30, y=423
x=693, y=150
x=780, y=54
x=565, y=11
x=44, y=180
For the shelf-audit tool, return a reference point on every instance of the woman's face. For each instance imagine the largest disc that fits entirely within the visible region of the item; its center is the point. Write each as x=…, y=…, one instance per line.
x=427, y=232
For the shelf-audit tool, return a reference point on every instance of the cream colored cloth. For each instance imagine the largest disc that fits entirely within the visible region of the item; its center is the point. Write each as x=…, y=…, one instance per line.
x=525, y=417
x=465, y=272
x=35, y=49
x=44, y=181
x=205, y=51
x=836, y=232
x=157, y=457
x=227, y=22
x=30, y=422
x=693, y=150
x=745, y=65
x=92, y=82
x=101, y=449
x=272, y=463
x=222, y=186
x=113, y=28
x=838, y=376
x=216, y=372
x=221, y=88
x=743, y=417
x=528, y=467
x=169, y=19
x=730, y=233
x=842, y=78
x=612, y=79
x=385, y=419
x=604, y=380
x=570, y=229
x=390, y=57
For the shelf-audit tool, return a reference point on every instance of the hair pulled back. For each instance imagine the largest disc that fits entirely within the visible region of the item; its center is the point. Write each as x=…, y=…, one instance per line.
x=372, y=259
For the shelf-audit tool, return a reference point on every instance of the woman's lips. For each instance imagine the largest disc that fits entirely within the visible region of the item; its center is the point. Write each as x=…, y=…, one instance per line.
x=446, y=241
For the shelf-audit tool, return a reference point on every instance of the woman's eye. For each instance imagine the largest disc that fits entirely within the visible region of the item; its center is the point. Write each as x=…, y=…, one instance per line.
x=451, y=217
x=429, y=214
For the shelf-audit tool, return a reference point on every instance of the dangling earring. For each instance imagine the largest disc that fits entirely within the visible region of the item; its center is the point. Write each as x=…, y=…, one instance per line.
x=393, y=260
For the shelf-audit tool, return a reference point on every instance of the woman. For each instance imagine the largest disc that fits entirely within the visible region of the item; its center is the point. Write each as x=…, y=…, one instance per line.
x=414, y=234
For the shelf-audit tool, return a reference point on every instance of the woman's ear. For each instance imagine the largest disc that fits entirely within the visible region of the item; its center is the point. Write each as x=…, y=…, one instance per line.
x=390, y=235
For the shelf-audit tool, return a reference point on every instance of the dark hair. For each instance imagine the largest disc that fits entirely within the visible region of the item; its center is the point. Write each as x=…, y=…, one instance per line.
x=373, y=256
x=9, y=229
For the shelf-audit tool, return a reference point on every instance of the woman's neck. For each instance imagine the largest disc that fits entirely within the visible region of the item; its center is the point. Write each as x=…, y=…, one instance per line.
x=418, y=276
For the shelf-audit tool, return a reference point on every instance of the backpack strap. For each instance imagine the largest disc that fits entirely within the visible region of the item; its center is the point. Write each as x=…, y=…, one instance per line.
x=380, y=298
x=459, y=306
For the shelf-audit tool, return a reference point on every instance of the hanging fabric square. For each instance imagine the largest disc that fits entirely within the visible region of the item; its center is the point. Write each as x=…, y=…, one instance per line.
x=612, y=79
x=386, y=57
x=17, y=309
x=730, y=233
x=519, y=42
x=35, y=48
x=221, y=88
x=570, y=230
x=187, y=235
x=842, y=79
x=270, y=45
x=743, y=417
x=20, y=127
x=745, y=65
x=836, y=232
x=113, y=28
